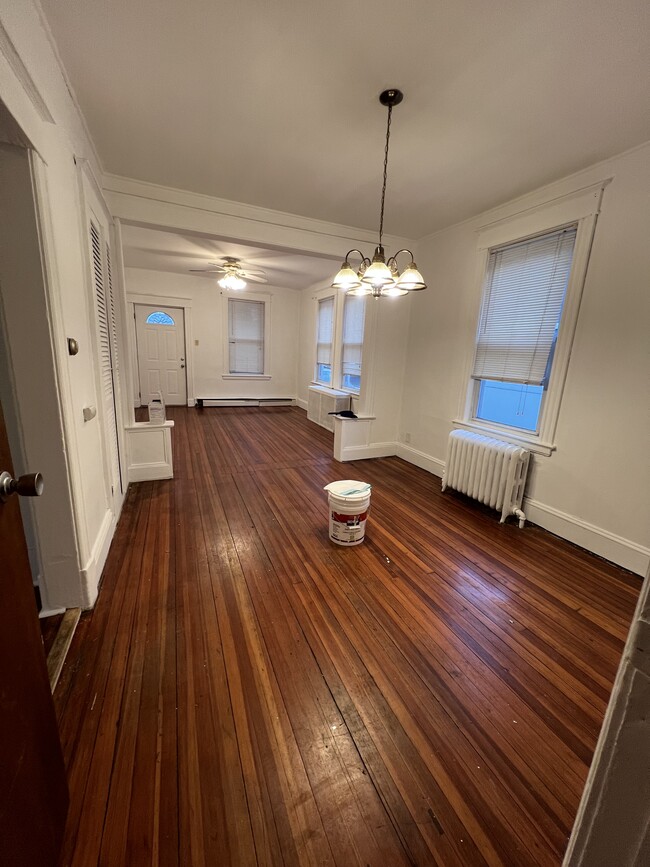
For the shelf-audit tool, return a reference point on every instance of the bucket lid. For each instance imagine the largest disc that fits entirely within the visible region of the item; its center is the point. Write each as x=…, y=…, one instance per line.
x=348, y=489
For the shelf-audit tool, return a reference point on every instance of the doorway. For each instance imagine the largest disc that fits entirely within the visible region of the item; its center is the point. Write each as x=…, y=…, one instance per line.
x=161, y=351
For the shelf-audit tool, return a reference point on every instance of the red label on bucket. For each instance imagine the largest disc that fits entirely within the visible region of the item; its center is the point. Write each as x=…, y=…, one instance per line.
x=349, y=519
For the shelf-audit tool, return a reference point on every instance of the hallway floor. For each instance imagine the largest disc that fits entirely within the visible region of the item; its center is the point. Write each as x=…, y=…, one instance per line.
x=246, y=692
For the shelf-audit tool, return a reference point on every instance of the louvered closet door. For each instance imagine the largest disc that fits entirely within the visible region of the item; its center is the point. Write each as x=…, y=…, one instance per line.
x=107, y=332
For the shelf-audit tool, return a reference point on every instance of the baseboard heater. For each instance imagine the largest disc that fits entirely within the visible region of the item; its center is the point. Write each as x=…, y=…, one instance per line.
x=244, y=401
x=488, y=470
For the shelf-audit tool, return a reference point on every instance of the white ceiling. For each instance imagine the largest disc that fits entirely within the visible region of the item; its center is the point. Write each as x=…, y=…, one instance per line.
x=158, y=250
x=275, y=103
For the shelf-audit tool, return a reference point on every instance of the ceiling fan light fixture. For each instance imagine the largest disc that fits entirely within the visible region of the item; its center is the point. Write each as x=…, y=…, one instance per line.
x=379, y=277
x=232, y=282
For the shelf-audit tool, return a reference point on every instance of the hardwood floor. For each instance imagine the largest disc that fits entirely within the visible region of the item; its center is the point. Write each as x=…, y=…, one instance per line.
x=246, y=692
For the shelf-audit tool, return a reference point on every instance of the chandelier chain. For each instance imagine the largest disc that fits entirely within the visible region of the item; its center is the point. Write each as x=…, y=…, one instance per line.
x=383, y=189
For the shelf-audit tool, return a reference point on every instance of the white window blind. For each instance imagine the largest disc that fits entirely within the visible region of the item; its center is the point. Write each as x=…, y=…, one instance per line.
x=522, y=303
x=352, y=343
x=246, y=336
x=325, y=331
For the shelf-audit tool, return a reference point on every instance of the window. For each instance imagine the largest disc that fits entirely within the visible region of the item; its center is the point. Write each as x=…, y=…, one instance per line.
x=324, y=339
x=534, y=265
x=523, y=299
x=159, y=318
x=245, y=336
x=352, y=342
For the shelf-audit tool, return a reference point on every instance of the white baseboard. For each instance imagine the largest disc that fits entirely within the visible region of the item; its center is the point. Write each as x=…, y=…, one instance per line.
x=421, y=459
x=247, y=401
x=302, y=404
x=50, y=612
x=630, y=555
x=92, y=572
x=150, y=472
x=374, y=450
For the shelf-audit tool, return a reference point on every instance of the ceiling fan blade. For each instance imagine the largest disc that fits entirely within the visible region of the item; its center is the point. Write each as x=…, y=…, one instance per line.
x=254, y=278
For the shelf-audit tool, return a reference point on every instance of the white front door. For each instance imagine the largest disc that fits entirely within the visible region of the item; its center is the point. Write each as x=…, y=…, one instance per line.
x=160, y=333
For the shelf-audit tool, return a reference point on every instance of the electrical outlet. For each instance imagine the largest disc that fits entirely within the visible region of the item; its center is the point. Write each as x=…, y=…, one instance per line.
x=196, y=342
x=407, y=437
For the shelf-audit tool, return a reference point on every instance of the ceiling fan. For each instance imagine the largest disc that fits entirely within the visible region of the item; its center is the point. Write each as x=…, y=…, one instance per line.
x=235, y=275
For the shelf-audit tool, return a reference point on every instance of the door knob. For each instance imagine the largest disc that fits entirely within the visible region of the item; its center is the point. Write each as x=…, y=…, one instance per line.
x=30, y=485
x=182, y=366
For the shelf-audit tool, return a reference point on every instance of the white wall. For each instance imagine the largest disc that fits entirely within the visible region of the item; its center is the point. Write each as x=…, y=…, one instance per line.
x=595, y=488
x=35, y=92
x=207, y=326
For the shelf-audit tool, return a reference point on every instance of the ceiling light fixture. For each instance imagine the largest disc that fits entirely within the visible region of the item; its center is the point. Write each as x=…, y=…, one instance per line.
x=232, y=281
x=378, y=277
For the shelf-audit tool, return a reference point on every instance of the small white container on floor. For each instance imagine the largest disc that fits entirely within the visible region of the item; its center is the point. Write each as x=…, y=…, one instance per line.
x=349, y=504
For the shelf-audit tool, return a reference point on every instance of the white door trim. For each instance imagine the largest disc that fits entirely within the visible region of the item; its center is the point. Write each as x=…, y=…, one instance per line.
x=162, y=301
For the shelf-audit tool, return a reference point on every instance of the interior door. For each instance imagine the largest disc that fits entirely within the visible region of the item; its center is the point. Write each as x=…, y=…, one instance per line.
x=160, y=335
x=33, y=789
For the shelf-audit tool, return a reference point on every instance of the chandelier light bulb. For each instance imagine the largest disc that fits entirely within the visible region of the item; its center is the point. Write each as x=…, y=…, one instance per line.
x=411, y=280
x=346, y=279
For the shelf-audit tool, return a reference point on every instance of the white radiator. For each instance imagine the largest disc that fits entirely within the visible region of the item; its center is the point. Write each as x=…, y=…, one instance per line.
x=323, y=401
x=490, y=471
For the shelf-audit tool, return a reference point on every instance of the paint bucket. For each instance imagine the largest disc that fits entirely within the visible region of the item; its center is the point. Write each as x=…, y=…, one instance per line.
x=349, y=504
x=157, y=409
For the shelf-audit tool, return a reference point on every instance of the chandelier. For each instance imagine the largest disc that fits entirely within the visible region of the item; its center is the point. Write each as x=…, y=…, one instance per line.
x=378, y=277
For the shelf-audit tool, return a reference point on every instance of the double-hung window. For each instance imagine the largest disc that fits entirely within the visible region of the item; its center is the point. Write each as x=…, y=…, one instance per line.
x=352, y=342
x=325, y=340
x=245, y=336
x=523, y=299
x=534, y=265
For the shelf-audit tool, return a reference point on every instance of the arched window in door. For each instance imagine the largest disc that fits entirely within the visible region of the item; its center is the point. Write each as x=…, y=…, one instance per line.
x=159, y=318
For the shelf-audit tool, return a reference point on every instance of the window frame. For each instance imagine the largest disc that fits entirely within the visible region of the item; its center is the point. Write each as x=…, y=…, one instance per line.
x=319, y=300
x=581, y=209
x=362, y=396
x=353, y=391
x=246, y=296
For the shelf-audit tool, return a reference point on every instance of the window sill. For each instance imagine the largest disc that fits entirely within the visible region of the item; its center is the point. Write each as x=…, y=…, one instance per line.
x=518, y=438
x=244, y=376
x=328, y=388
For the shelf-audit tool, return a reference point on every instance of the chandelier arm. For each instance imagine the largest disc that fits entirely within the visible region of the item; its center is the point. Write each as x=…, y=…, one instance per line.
x=393, y=258
x=365, y=260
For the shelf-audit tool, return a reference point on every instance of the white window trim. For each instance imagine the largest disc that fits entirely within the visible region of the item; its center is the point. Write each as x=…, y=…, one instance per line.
x=364, y=351
x=337, y=331
x=323, y=295
x=363, y=398
x=246, y=296
x=579, y=208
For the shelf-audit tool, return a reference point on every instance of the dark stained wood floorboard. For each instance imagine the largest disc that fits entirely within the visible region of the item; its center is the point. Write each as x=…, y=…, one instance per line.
x=246, y=693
